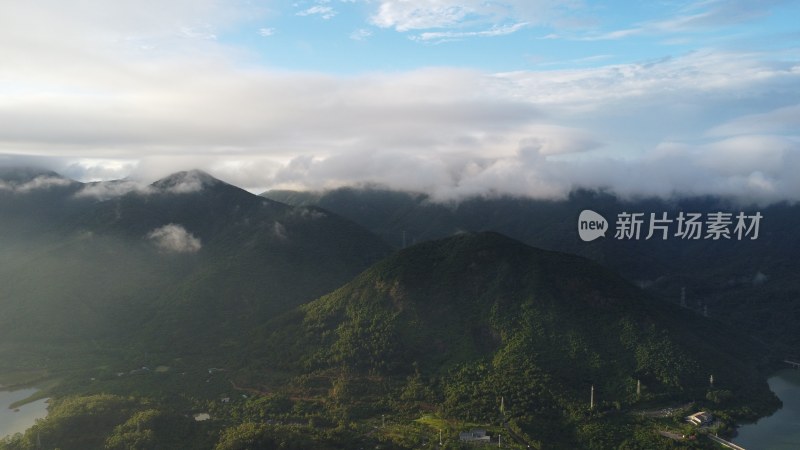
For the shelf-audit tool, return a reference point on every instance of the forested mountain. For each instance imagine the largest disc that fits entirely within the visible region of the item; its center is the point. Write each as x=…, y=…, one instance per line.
x=186, y=260
x=751, y=284
x=463, y=322
x=136, y=307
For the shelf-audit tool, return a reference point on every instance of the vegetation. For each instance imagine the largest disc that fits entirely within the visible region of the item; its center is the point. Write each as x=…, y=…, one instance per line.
x=462, y=326
x=751, y=285
x=476, y=331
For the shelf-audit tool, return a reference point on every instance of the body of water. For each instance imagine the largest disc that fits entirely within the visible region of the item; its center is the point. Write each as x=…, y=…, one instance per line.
x=780, y=431
x=12, y=421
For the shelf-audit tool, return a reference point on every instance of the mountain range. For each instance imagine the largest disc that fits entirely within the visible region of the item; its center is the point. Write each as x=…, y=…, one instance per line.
x=303, y=320
x=186, y=256
x=749, y=283
x=467, y=320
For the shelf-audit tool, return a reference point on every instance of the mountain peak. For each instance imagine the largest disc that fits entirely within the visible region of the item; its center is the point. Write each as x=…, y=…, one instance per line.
x=24, y=174
x=28, y=179
x=186, y=182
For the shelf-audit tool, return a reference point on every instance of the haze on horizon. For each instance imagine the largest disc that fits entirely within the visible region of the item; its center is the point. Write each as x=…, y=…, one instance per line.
x=452, y=97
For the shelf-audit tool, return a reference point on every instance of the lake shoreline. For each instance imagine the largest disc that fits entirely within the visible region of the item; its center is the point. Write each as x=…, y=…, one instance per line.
x=42, y=381
x=779, y=429
x=24, y=407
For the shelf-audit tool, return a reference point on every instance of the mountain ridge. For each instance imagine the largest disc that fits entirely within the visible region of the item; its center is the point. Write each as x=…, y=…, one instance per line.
x=748, y=283
x=188, y=244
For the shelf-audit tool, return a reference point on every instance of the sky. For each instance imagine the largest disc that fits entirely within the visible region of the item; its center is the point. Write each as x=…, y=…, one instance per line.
x=451, y=97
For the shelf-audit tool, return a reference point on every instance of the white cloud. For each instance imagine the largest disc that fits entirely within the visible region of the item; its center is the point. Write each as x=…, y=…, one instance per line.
x=449, y=131
x=279, y=231
x=266, y=32
x=449, y=35
x=613, y=35
x=104, y=190
x=43, y=182
x=39, y=183
x=325, y=12
x=780, y=120
x=697, y=16
x=744, y=155
x=749, y=168
x=360, y=34
x=91, y=170
x=714, y=13
x=185, y=182
x=432, y=14
x=309, y=213
x=175, y=239
x=404, y=16
x=197, y=33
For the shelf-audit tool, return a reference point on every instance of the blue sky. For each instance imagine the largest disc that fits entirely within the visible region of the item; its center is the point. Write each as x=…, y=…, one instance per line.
x=350, y=37
x=451, y=97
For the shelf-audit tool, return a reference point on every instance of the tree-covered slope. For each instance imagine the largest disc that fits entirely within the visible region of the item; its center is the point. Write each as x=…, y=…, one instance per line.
x=457, y=324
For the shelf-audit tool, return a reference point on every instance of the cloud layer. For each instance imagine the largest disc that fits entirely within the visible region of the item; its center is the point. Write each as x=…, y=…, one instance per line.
x=40, y=182
x=119, y=92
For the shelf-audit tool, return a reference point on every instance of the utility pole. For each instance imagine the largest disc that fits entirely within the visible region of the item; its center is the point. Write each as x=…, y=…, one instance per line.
x=711, y=380
x=591, y=399
x=638, y=388
x=498, y=440
x=440, y=437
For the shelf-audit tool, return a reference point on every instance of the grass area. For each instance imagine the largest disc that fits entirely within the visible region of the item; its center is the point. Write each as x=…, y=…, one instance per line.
x=44, y=391
x=434, y=422
x=18, y=379
x=42, y=380
x=452, y=427
x=438, y=423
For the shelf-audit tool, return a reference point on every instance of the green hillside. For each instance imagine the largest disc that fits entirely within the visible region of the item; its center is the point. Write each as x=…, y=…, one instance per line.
x=138, y=308
x=450, y=327
x=473, y=331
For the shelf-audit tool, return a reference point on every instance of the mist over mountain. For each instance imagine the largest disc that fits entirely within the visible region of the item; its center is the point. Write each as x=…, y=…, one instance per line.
x=187, y=254
x=32, y=198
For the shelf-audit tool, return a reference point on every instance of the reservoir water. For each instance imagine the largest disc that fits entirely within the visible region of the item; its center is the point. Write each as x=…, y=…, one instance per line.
x=780, y=431
x=12, y=421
